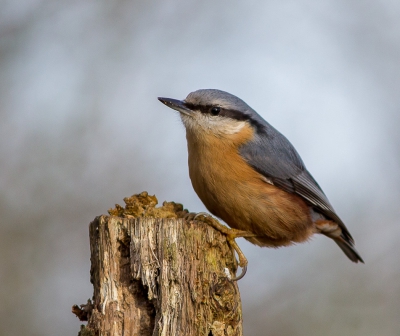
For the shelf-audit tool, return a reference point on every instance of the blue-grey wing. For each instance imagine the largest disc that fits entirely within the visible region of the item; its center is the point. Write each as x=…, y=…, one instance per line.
x=273, y=156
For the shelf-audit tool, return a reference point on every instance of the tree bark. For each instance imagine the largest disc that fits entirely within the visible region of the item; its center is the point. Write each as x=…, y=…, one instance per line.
x=161, y=276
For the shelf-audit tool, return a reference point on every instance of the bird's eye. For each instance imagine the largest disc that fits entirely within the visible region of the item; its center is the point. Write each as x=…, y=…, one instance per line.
x=215, y=110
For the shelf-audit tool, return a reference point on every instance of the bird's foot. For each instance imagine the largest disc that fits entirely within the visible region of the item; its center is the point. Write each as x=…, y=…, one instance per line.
x=189, y=216
x=231, y=235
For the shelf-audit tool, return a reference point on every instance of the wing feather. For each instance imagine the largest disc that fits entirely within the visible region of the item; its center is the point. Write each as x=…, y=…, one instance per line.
x=273, y=156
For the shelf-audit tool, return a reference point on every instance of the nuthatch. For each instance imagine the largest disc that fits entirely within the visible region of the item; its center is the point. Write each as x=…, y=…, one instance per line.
x=249, y=175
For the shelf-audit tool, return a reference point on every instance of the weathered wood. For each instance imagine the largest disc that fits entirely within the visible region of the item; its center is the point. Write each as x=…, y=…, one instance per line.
x=161, y=276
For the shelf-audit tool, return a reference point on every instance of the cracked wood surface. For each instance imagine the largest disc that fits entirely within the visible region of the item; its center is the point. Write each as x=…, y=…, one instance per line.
x=161, y=276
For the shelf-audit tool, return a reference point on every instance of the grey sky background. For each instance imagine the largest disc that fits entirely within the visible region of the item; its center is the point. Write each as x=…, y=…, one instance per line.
x=81, y=128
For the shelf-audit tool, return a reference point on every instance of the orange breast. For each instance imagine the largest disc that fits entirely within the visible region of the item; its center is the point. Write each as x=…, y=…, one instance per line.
x=236, y=193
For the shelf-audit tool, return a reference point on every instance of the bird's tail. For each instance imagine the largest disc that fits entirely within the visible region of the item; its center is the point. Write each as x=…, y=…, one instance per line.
x=341, y=237
x=348, y=249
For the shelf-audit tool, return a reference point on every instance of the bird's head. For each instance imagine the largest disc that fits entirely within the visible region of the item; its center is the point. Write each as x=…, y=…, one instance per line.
x=213, y=112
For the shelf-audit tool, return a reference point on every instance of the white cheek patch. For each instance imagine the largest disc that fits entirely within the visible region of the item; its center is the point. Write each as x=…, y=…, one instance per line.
x=191, y=123
x=212, y=124
x=229, y=126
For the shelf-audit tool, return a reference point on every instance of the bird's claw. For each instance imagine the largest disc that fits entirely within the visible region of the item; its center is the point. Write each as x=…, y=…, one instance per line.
x=230, y=234
x=244, y=270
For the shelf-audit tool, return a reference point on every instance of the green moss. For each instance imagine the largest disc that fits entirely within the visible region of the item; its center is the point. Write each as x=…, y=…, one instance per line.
x=85, y=331
x=214, y=259
x=171, y=253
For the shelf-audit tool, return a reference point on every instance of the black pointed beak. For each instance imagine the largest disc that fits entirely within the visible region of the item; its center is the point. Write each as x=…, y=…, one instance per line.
x=175, y=104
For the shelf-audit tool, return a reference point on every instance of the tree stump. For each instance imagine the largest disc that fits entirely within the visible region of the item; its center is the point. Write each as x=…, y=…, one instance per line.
x=154, y=273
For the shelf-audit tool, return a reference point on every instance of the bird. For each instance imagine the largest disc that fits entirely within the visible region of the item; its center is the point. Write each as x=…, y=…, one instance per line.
x=249, y=175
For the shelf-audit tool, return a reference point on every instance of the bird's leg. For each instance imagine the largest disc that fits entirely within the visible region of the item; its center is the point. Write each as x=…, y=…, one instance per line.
x=231, y=235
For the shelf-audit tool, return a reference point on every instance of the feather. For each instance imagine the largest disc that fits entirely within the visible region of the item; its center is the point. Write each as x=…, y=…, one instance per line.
x=273, y=156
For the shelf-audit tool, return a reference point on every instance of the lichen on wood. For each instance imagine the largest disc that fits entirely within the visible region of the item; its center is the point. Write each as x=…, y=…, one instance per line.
x=154, y=273
x=144, y=205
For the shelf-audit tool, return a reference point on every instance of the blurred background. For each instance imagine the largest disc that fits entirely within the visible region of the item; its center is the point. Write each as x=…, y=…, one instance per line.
x=81, y=128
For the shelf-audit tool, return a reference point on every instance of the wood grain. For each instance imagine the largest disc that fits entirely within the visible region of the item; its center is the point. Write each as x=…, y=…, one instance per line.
x=161, y=276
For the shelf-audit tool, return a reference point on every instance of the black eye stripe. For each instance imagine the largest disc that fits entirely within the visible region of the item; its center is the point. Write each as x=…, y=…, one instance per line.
x=229, y=113
x=233, y=114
